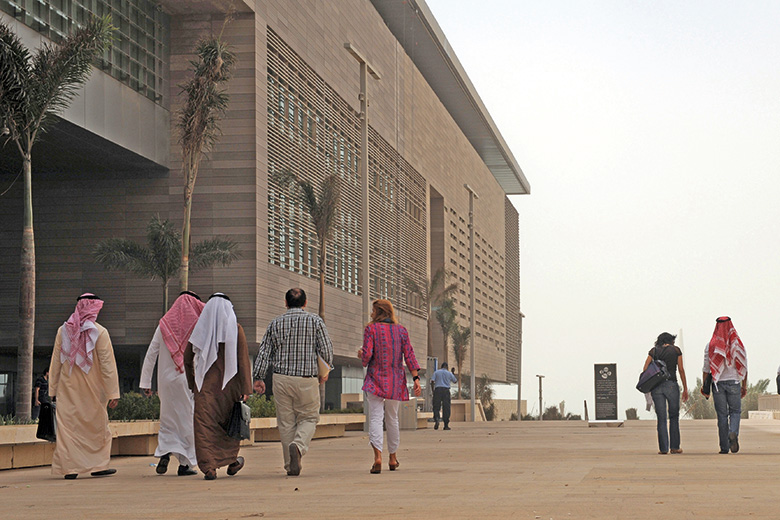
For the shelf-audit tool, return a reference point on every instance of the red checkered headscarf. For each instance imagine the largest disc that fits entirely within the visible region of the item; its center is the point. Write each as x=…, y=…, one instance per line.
x=177, y=324
x=80, y=336
x=726, y=349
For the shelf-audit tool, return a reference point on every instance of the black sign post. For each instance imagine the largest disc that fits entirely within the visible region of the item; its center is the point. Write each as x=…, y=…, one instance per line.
x=606, y=391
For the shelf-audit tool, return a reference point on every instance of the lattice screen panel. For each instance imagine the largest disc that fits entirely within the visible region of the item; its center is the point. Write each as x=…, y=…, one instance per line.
x=313, y=132
x=397, y=227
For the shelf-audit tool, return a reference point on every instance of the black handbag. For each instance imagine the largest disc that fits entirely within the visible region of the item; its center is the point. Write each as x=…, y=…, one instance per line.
x=706, y=386
x=238, y=423
x=656, y=373
x=47, y=423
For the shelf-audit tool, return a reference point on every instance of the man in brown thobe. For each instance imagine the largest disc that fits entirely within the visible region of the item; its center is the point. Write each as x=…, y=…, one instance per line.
x=216, y=363
x=83, y=380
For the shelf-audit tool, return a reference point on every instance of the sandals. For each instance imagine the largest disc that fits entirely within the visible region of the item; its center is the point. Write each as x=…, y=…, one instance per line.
x=393, y=467
x=376, y=468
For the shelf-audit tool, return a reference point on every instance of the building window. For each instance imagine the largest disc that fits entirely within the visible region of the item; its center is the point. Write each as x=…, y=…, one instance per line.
x=140, y=52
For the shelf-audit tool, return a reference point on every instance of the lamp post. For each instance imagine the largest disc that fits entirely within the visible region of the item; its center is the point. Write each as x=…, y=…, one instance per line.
x=520, y=369
x=365, y=69
x=472, y=196
x=540, y=395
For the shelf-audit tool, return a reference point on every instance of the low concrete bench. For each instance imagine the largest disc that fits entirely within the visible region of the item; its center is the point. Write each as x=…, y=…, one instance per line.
x=19, y=448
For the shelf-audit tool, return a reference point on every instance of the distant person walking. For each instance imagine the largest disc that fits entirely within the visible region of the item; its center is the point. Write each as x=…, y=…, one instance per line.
x=177, y=402
x=442, y=379
x=777, y=380
x=385, y=347
x=725, y=360
x=41, y=393
x=216, y=363
x=82, y=381
x=666, y=396
x=290, y=346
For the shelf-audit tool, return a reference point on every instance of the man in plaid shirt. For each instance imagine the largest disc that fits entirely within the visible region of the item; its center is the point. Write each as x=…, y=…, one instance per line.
x=290, y=346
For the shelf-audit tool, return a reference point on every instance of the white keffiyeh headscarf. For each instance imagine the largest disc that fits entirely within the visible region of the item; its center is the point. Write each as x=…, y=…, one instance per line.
x=217, y=324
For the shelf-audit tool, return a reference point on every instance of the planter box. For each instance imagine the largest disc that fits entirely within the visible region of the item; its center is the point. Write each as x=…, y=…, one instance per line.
x=19, y=448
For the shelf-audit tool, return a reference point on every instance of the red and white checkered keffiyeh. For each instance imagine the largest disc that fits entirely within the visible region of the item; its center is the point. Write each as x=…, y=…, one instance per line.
x=81, y=333
x=726, y=349
x=177, y=324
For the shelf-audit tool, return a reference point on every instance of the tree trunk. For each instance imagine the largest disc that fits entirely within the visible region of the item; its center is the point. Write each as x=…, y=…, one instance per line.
x=24, y=372
x=460, y=369
x=185, y=229
x=323, y=266
x=430, y=335
x=165, y=296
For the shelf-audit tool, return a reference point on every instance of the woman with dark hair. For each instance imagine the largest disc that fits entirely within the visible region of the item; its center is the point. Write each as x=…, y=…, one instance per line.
x=385, y=347
x=668, y=392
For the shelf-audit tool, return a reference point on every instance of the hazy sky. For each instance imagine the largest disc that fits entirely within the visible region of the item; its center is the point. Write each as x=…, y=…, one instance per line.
x=650, y=134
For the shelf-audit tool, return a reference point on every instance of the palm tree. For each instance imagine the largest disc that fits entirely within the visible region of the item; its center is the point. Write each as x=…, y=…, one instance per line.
x=34, y=89
x=160, y=259
x=322, y=206
x=460, y=342
x=199, y=121
x=432, y=295
x=446, y=315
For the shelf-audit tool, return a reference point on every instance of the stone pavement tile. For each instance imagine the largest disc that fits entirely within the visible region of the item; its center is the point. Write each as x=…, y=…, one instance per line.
x=528, y=470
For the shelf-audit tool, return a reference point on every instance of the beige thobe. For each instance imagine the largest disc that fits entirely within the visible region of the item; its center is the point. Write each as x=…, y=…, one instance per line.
x=83, y=438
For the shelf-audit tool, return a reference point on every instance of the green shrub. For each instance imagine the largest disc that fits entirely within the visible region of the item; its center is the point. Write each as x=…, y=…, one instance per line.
x=261, y=407
x=344, y=410
x=11, y=420
x=135, y=407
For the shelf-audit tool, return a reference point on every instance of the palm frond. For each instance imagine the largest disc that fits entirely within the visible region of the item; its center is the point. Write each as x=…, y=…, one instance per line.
x=460, y=339
x=125, y=255
x=213, y=251
x=58, y=72
x=165, y=246
x=205, y=98
x=14, y=81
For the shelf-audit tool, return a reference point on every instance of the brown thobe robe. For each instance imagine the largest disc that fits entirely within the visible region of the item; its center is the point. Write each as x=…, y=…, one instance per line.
x=83, y=438
x=213, y=405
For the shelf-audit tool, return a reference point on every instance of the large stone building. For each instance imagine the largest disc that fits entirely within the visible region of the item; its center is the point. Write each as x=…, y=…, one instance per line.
x=113, y=162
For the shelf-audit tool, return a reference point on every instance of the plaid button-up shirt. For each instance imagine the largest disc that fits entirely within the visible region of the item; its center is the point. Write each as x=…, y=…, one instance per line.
x=291, y=345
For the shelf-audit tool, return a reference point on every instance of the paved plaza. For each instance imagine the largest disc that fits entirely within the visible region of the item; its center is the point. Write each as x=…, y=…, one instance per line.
x=550, y=470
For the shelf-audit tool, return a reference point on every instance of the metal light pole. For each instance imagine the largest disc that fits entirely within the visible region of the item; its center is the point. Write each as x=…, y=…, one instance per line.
x=520, y=370
x=365, y=69
x=540, y=396
x=472, y=196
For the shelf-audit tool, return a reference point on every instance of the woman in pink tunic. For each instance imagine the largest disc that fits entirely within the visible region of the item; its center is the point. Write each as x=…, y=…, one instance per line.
x=385, y=347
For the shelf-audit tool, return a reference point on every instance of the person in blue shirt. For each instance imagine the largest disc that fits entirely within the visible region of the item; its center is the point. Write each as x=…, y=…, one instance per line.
x=442, y=379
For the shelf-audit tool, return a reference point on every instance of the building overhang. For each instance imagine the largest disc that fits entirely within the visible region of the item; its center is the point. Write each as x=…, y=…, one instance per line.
x=414, y=26
x=178, y=7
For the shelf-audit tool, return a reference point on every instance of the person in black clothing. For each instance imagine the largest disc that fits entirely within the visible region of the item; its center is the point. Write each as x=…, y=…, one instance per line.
x=668, y=392
x=41, y=393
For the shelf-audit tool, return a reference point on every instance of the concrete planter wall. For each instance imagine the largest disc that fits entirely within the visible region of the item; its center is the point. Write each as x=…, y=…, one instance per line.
x=19, y=448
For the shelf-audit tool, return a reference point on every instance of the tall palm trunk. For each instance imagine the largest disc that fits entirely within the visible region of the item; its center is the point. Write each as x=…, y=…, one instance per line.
x=460, y=370
x=165, y=296
x=24, y=370
x=191, y=173
x=323, y=266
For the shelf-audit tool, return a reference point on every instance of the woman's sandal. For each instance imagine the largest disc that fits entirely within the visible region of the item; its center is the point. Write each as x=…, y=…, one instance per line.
x=376, y=468
x=393, y=467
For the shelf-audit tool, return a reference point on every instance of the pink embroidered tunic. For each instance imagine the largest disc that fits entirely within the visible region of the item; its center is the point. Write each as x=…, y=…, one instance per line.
x=385, y=347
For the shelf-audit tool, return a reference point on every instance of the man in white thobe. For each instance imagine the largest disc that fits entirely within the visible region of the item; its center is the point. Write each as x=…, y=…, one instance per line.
x=176, y=400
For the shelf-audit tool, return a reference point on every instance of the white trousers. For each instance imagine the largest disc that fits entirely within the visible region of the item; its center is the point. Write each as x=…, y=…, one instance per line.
x=380, y=408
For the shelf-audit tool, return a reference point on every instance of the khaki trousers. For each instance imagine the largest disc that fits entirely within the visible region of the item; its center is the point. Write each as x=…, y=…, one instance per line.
x=297, y=412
